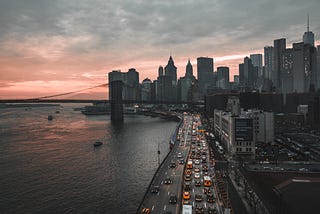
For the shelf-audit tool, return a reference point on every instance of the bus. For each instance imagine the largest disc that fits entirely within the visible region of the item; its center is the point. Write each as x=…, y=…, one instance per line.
x=207, y=181
x=187, y=209
x=189, y=164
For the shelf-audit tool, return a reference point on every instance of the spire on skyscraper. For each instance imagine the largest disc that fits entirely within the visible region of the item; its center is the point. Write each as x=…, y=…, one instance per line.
x=308, y=24
x=308, y=37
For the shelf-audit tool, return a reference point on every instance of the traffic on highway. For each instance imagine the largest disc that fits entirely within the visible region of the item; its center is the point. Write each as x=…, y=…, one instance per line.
x=185, y=181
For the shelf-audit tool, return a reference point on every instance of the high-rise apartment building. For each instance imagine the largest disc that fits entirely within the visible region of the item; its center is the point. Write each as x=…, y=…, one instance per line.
x=286, y=74
x=279, y=47
x=268, y=60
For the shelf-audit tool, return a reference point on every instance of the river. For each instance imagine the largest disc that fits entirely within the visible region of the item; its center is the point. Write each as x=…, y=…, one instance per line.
x=52, y=166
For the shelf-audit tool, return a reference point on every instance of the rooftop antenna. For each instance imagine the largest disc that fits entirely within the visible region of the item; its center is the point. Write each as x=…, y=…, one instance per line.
x=308, y=23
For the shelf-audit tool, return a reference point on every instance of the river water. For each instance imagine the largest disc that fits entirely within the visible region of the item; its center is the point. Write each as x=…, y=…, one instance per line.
x=52, y=166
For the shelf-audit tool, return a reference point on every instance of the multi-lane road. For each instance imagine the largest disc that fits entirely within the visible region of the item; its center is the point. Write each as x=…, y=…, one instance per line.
x=186, y=177
x=167, y=183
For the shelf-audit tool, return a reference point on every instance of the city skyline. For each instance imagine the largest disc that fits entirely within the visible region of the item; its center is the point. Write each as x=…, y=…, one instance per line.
x=51, y=47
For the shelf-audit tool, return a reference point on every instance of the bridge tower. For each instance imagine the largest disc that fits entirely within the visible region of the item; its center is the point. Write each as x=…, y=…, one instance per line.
x=116, y=101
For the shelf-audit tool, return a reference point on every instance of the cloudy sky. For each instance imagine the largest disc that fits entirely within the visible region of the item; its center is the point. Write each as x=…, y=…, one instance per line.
x=56, y=46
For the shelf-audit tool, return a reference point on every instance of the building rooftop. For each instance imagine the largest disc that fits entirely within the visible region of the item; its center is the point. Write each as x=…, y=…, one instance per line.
x=299, y=195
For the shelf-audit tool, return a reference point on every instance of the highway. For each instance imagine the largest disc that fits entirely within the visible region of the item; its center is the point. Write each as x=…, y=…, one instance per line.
x=190, y=168
x=159, y=201
x=203, y=194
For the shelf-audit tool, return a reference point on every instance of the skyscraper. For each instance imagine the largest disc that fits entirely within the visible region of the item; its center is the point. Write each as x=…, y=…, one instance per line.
x=286, y=74
x=268, y=60
x=160, y=71
x=318, y=66
x=304, y=67
x=166, y=85
x=131, y=85
x=223, y=77
x=279, y=47
x=115, y=75
x=242, y=79
x=249, y=73
x=146, y=88
x=205, y=73
x=171, y=70
x=257, y=62
x=189, y=70
x=308, y=37
x=185, y=82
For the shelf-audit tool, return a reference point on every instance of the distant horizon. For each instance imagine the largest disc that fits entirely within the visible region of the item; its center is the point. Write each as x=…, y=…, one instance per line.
x=53, y=47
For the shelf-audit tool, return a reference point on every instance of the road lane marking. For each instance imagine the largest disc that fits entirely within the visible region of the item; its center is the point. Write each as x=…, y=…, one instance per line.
x=205, y=205
x=193, y=190
x=152, y=207
x=168, y=193
x=165, y=206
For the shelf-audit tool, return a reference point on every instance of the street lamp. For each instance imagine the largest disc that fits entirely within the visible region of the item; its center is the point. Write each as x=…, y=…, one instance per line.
x=158, y=155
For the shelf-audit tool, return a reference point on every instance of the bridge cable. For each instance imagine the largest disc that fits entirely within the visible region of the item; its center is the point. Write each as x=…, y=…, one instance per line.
x=67, y=93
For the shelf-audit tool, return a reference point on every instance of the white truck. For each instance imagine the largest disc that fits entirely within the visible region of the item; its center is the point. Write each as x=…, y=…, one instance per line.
x=187, y=209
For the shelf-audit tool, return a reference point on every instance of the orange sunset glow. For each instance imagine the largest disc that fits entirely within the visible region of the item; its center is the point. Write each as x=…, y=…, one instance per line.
x=47, y=49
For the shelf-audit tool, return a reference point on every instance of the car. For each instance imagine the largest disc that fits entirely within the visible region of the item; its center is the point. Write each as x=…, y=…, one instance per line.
x=179, y=155
x=206, y=190
x=181, y=161
x=205, y=168
x=210, y=197
x=212, y=210
x=186, y=202
x=188, y=172
x=187, y=186
x=187, y=178
x=155, y=189
x=173, y=164
x=168, y=181
x=173, y=199
x=197, y=183
x=199, y=209
x=197, y=162
x=198, y=198
x=145, y=211
x=186, y=195
x=196, y=170
x=197, y=175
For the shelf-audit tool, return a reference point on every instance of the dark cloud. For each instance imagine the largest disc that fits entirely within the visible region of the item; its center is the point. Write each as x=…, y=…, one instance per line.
x=135, y=29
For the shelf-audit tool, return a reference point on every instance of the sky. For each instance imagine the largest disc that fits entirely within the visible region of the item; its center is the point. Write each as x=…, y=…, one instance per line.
x=54, y=46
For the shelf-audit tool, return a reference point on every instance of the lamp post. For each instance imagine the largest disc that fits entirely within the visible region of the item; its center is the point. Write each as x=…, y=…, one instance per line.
x=158, y=155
